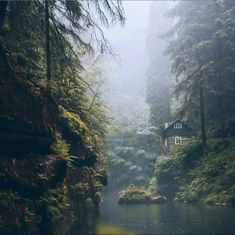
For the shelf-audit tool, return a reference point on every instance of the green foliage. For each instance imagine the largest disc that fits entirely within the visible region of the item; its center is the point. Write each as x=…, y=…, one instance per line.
x=130, y=165
x=80, y=189
x=152, y=187
x=212, y=179
x=193, y=178
x=28, y=215
x=73, y=122
x=169, y=173
x=75, y=130
x=60, y=146
x=131, y=155
x=24, y=34
x=85, y=188
x=54, y=203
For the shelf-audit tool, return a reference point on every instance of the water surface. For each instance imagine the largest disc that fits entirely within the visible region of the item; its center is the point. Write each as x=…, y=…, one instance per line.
x=169, y=218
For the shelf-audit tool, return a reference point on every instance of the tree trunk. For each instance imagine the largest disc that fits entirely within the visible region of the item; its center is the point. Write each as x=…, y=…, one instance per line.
x=3, y=10
x=48, y=52
x=202, y=114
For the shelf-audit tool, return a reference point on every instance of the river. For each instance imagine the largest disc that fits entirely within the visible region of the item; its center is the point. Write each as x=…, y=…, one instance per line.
x=169, y=218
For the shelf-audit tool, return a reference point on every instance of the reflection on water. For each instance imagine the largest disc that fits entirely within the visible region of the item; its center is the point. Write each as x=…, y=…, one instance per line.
x=115, y=219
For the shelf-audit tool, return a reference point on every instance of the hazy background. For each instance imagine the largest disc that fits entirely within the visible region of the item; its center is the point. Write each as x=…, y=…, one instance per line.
x=126, y=77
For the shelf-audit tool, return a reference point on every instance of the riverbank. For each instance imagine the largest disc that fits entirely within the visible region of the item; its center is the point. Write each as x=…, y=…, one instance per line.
x=189, y=176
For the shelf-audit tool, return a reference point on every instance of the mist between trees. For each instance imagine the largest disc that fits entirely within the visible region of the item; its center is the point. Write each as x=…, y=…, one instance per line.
x=188, y=59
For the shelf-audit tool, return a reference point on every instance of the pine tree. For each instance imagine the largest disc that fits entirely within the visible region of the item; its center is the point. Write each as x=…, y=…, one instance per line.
x=202, y=54
x=158, y=73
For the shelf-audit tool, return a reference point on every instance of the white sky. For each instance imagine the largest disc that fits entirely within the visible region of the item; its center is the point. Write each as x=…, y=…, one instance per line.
x=126, y=84
x=129, y=43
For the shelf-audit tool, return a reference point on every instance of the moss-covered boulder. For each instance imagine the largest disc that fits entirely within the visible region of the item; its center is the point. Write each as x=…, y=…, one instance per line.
x=134, y=195
x=80, y=138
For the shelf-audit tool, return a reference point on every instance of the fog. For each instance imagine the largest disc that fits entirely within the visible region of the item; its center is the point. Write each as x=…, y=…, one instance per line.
x=126, y=85
x=139, y=72
x=134, y=62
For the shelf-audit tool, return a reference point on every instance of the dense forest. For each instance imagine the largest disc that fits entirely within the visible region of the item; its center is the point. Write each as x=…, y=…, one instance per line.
x=190, y=77
x=63, y=137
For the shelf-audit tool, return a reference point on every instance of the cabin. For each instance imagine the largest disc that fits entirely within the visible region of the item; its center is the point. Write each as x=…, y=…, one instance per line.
x=174, y=134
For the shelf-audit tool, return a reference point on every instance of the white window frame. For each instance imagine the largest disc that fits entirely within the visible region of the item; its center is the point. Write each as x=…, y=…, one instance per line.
x=166, y=142
x=178, y=140
x=178, y=125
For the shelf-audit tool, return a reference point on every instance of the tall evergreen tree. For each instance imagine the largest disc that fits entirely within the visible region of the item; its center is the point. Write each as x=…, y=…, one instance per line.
x=158, y=72
x=202, y=51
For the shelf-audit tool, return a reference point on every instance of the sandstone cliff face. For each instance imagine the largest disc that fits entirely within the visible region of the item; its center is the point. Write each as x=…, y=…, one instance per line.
x=36, y=185
x=28, y=166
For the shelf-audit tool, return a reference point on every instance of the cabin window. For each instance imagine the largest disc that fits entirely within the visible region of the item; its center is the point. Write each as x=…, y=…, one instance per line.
x=178, y=125
x=177, y=140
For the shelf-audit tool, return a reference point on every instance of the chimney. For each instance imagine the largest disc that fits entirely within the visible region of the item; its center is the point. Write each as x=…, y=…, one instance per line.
x=166, y=125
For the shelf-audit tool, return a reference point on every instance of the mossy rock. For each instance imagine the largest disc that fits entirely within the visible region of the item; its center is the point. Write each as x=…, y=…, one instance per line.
x=133, y=195
x=79, y=136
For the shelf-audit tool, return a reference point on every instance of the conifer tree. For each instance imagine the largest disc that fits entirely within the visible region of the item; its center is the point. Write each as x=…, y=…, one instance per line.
x=202, y=52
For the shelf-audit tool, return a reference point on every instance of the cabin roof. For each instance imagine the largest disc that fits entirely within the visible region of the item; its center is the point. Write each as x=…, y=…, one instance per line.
x=184, y=131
